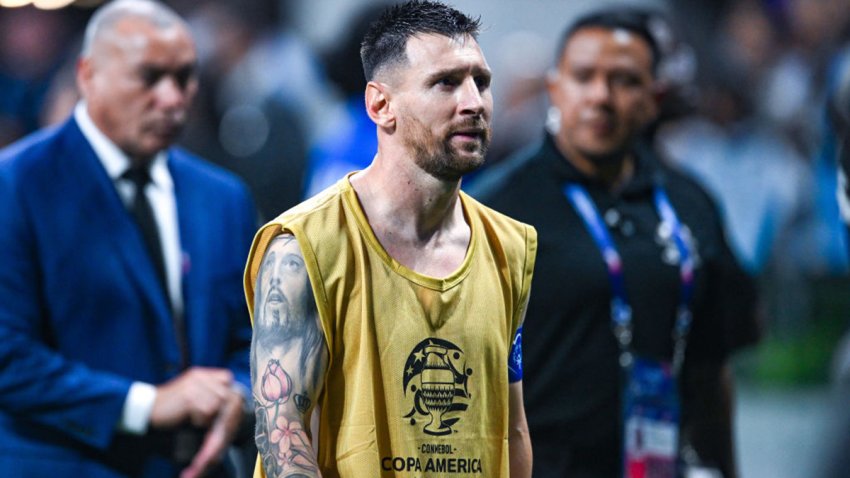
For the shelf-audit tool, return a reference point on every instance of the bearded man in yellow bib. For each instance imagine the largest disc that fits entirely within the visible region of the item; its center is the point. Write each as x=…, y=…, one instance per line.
x=388, y=309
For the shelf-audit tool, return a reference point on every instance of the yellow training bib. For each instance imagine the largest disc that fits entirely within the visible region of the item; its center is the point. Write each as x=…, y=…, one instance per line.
x=417, y=382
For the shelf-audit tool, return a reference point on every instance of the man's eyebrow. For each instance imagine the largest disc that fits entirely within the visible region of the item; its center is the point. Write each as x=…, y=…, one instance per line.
x=157, y=67
x=449, y=72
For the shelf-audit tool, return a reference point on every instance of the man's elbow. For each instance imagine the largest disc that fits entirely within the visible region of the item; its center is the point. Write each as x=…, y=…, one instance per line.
x=521, y=453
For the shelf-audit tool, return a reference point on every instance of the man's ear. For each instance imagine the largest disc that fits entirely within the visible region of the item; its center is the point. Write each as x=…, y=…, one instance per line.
x=653, y=104
x=378, y=105
x=553, y=88
x=84, y=75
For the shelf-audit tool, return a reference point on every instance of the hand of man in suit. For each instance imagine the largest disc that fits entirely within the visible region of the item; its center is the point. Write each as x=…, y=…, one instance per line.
x=196, y=396
x=218, y=437
x=206, y=398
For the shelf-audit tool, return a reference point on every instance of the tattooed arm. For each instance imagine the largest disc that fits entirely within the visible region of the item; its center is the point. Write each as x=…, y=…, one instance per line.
x=289, y=357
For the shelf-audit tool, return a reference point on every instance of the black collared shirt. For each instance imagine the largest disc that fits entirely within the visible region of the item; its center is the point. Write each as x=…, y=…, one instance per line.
x=572, y=377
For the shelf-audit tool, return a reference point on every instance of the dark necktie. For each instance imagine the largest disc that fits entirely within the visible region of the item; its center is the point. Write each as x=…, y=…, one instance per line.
x=142, y=212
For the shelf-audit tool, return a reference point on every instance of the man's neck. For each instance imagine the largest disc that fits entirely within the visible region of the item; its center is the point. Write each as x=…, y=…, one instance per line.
x=614, y=172
x=417, y=218
x=406, y=200
x=114, y=159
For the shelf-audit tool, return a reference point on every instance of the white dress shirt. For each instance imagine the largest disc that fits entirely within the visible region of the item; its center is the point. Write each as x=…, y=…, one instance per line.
x=160, y=195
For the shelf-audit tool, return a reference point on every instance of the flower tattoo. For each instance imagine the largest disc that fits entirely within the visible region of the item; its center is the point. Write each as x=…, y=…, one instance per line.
x=291, y=442
x=276, y=385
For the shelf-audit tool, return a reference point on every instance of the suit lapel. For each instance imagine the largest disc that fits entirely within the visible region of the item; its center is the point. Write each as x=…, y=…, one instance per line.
x=107, y=215
x=193, y=227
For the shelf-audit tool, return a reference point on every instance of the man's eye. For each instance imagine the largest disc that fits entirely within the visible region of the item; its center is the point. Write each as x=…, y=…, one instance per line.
x=582, y=76
x=483, y=82
x=183, y=76
x=626, y=80
x=292, y=264
x=447, y=82
x=151, y=77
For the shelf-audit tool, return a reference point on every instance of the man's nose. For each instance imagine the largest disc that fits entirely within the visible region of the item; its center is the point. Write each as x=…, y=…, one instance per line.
x=599, y=90
x=471, y=99
x=170, y=94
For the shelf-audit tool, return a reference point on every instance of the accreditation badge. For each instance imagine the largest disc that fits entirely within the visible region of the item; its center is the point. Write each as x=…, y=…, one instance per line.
x=651, y=414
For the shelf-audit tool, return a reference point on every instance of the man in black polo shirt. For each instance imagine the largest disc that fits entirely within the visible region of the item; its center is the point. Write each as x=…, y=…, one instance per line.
x=631, y=255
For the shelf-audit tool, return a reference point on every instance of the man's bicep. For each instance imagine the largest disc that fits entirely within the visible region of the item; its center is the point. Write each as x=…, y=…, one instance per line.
x=289, y=358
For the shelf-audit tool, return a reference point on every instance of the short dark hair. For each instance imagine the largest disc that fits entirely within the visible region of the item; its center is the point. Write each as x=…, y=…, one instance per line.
x=633, y=20
x=386, y=39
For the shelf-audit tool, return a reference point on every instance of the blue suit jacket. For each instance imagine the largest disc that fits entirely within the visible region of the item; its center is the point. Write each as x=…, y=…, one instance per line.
x=82, y=314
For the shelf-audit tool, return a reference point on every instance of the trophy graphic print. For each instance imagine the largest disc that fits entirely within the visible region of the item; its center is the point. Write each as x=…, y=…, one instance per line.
x=438, y=388
x=440, y=392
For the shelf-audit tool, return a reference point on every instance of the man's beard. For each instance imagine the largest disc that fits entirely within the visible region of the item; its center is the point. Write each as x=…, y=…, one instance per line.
x=277, y=325
x=280, y=327
x=439, y=158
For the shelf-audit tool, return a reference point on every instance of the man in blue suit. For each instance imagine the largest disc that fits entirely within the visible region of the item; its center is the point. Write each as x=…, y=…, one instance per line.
x=123, y=332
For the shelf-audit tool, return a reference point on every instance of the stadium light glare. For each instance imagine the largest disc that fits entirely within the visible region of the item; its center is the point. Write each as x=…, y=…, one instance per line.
x=14, y=3
x=51, y=4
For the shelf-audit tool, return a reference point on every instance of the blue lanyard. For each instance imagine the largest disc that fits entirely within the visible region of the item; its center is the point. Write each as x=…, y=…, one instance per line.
x=621, y=311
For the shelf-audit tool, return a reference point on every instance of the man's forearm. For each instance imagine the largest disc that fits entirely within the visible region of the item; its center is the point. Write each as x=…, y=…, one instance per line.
x=519, y=439
x=519, y=445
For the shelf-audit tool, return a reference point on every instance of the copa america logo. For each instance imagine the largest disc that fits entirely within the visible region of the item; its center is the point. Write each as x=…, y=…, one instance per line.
x=436, y=377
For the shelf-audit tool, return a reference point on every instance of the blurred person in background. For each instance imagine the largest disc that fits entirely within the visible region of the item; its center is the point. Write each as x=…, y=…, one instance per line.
x=278, y=61
x=763, y=184
x=62, y=95
x=123, y=331
x=520, y=94
x=759, y=178
x=836, y=457
x=349, y=143
x=838, y=114
x=638, y=301
x=793, y=97
x=32, y=47
x=245, y=119
x=842, y=104
x=391, y=304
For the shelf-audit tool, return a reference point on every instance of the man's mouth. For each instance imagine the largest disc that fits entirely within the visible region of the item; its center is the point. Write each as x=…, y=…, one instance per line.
x=598, y=121
x=165, y=126
x=469, y=134
x=466, y=136
x=167, y=130
x=275, y=296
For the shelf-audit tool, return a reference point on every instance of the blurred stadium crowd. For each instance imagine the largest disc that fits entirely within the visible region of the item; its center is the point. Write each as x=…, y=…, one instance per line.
x=751, y=107
x=754, y=102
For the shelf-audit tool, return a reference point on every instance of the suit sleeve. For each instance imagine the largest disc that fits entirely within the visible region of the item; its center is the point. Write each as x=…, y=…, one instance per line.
x=38, y=384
